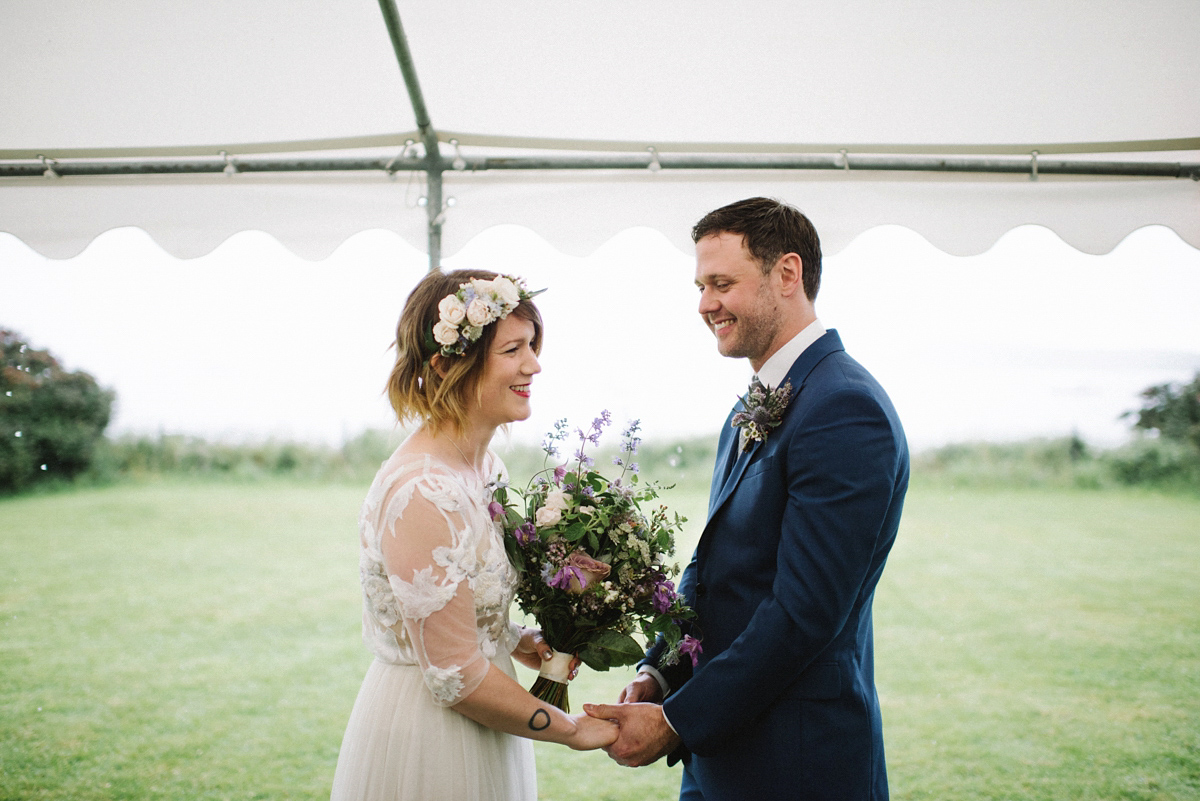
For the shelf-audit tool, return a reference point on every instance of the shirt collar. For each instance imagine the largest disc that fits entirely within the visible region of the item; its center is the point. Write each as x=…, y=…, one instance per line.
x=776, y=368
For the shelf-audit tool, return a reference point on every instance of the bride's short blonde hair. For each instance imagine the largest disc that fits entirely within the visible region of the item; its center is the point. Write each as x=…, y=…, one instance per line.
x=427, y=386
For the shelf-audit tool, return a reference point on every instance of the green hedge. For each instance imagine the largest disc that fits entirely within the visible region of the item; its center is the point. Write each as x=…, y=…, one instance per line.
x=51, y=420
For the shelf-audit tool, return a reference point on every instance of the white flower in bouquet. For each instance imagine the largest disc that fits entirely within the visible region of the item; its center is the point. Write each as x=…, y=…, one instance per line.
x=548, y=516
x=558, y=499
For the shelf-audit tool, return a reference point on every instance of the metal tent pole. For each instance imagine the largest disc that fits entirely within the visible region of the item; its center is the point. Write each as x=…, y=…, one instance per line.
x=437, y=165
x=432, y=164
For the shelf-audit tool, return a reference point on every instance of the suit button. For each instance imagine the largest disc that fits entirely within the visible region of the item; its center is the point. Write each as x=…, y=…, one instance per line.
x=700, y=590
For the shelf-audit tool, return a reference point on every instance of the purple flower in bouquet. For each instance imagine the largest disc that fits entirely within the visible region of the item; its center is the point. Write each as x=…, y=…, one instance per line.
x=563, y=579
x=664, y=594
x=592, y=435
x=496, y=509
x=583, y=458
x=559, y=472
x=630, y=439
x=549, y=444
x=691, y=646
x=525, y=533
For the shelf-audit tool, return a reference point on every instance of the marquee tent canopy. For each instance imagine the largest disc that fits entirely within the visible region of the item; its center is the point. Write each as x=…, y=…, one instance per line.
x=960, y=121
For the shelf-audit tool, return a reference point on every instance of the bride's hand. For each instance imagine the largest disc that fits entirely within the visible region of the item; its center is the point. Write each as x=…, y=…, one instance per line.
x=592, y=733
x=533, y=650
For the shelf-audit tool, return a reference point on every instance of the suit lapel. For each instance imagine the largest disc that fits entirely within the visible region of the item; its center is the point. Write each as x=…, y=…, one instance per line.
x=729, y=451
x=740, y=461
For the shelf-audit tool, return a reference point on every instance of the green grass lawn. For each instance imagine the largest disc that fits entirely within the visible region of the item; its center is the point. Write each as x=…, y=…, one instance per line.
x=201, y=641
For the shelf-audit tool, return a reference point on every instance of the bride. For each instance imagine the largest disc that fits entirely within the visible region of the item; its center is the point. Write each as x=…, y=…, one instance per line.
x=440, y=714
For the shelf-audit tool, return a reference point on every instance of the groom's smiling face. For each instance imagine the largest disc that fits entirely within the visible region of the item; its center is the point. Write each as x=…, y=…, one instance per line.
x=738, y=303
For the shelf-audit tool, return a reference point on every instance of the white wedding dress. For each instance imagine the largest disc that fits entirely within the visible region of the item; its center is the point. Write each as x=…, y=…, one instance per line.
x=437, y=586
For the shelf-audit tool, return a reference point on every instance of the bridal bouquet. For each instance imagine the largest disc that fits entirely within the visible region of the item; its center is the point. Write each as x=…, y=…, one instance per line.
x=592, y=563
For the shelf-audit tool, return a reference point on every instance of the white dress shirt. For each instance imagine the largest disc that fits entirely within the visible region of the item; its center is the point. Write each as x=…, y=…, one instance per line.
x=775, y=369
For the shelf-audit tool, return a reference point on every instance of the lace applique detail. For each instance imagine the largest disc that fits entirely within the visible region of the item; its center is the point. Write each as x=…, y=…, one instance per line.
x=400, y=499
x=488, y=647
x=444, y=683
x=423, y=596
x=378, y=591
x=459, y=562
x=444, y=492
x=488, y=589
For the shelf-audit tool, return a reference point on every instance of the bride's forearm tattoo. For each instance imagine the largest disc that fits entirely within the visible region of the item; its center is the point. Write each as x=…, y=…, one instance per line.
x=539, y=720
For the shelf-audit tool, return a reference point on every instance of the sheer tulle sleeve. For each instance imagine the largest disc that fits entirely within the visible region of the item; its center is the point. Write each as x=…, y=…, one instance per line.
x=428, y=551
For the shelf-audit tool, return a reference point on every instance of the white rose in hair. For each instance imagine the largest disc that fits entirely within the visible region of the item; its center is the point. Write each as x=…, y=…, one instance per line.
x=452, y=310
x=479, y=313
x=507, y=291
x=444, y=333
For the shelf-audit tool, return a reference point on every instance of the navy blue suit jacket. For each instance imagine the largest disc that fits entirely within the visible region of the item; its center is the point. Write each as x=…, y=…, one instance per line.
x=782, y=703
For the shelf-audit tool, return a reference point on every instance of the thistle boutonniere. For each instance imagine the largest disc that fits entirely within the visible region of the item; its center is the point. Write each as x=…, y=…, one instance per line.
x=762, y=411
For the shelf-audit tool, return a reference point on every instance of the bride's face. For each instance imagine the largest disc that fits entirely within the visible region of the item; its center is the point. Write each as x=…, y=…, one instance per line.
x=504, y=388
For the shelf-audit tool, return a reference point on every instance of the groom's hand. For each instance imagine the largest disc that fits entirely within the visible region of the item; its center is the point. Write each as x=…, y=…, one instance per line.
x=645, y=736
x=643, y=688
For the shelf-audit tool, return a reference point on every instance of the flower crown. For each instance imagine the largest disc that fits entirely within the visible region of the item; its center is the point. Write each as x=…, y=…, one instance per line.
x=477, y=303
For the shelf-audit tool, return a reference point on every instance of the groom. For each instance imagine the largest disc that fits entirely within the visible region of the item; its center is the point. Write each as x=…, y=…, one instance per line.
x=803, y=510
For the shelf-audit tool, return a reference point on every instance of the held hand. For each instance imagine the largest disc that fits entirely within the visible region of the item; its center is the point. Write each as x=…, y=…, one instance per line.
x=643, y=688
x=645, y=736
x=591, y=733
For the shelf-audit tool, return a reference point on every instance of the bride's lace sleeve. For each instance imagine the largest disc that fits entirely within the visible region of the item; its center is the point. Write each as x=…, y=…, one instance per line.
x=428, y=553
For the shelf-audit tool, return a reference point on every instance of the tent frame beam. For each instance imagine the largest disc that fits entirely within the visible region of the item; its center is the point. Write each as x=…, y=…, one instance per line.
x=438, y=164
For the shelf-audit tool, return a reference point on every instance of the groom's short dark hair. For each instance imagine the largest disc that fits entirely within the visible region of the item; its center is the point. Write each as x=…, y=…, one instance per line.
x=771, y=228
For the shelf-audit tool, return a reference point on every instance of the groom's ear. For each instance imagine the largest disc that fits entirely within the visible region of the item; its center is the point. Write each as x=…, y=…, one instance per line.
x=790, y=274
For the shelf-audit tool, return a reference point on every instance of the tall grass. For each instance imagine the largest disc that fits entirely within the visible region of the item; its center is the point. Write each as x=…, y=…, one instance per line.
x=140, y=457
x=1063, y=462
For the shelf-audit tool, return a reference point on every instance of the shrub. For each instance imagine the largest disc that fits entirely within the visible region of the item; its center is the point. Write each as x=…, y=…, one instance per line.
x=1158, y=462
x=50, y=419
x=1171, y=411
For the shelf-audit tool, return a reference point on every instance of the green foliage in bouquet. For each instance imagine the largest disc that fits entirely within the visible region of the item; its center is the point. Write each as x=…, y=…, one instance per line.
x=593, y=565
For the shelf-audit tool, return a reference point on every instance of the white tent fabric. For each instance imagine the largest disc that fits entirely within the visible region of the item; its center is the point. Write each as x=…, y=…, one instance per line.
x=134, y=77
x=313, y=215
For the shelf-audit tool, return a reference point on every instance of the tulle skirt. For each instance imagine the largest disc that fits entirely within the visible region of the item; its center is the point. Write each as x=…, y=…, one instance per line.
x=400, y=745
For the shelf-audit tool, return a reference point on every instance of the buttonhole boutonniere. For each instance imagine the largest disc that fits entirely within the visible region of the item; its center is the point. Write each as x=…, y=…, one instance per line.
x=762, y=412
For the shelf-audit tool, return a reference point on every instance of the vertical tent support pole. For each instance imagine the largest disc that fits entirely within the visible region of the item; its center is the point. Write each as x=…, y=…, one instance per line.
x=429, y=137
